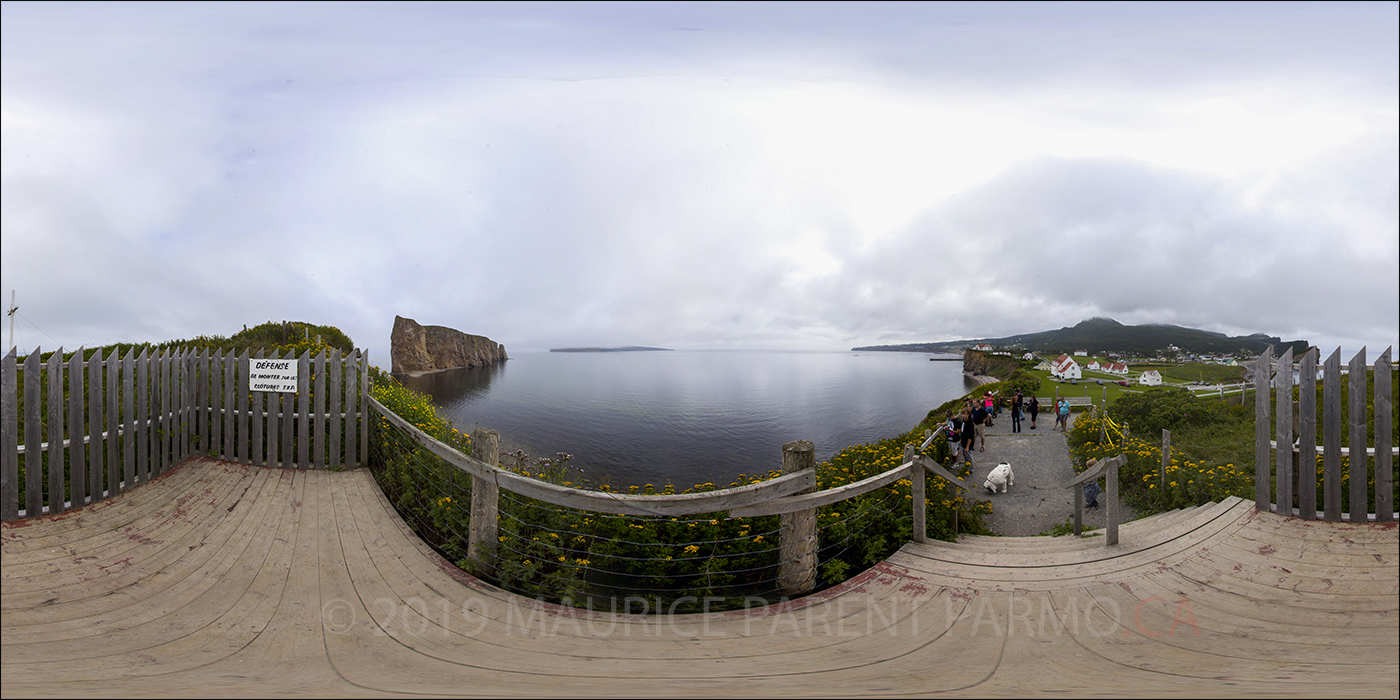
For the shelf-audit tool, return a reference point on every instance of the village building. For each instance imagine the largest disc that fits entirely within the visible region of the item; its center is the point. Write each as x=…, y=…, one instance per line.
x=1150, y=378
x=1064, y=367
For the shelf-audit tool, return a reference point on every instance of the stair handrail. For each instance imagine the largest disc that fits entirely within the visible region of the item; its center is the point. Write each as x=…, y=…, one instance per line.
x=1104, y=468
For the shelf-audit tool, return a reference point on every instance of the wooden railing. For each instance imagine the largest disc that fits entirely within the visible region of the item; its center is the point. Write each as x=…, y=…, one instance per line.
x=1285, y=477
x=792, y=496
x=97, y=427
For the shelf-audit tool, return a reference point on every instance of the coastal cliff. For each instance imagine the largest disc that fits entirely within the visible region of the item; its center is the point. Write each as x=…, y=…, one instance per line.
x=416, y=349
x=979, y=364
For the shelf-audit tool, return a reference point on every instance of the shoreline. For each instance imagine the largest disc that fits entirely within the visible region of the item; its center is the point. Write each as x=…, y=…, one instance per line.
x=981, y=378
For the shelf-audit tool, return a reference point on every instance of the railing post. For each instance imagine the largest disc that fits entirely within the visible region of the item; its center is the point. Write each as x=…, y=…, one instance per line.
x=1385, y=498
x=916, y=494
x=1166, y=456
x=797, y=539
x=485, y=522
x=1262, y=472
x=1358, y=472
x=1111, y=489
x=1079, y=508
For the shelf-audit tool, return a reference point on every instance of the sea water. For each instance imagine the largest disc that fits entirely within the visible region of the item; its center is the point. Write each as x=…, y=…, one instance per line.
x=691, y=417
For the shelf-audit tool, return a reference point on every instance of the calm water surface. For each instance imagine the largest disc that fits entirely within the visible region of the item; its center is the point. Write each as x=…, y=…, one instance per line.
x=690, y=417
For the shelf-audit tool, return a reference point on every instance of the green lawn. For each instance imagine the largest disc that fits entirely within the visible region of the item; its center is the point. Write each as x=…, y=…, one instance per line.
x=1100, y=385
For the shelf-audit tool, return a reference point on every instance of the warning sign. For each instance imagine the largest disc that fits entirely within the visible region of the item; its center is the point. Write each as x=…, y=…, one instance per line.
x=273, y=375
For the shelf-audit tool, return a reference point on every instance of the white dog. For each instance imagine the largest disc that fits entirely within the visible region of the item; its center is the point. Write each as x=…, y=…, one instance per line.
x=1000, y=478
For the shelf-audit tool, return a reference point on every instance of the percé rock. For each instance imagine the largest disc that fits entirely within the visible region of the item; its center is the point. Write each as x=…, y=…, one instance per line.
x=415, y=349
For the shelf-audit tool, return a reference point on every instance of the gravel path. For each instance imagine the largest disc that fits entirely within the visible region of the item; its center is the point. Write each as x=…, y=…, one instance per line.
x=1040, y=462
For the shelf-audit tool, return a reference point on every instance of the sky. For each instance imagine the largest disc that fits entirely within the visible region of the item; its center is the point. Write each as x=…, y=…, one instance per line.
x=808, y=176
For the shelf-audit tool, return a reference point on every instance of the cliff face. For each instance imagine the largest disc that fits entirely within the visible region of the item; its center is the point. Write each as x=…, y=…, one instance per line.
x=981, y=363
x=415, y=349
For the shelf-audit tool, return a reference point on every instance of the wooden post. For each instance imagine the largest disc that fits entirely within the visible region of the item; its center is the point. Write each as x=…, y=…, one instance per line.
x=1332, y=437
x=94, y=431
x=916, y=494
x=1111, y=479
x=1385, y=506
x=1283, y=434
x=485, y=523
x=1357, y=462
x=33, y=458
x=9, y=437
x=1307, y=436
x=1078, y=509
x=1166, y=456
x=1262, y=365
x=77, y=476
x=55, y=377
x=797, y=538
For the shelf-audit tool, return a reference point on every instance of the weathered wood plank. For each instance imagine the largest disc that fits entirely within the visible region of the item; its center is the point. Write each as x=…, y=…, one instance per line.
x=333, y=420
x=365, y=414
x=1263, y=366
x=318, y=415
x=1307, y=436
x=1283, y=422
x=304, y=410
x=112, y=366
x=143, y=433
x=96, y=473
x=1385, y=461
x=33, y=457
x=9, y=437
x=230, y=362
x=288, y=403
x=352, y=386
x=77, y=473
x=1332, y=437
x=54, y=372
x=274, y=411
x=255, y=450
x=825, y=497
x=129, y=420
x=1358, y=473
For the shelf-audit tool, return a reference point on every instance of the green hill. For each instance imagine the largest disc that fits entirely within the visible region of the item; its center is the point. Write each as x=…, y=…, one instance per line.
x=1104, y=335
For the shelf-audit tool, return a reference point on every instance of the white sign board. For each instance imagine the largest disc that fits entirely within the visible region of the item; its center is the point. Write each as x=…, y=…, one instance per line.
x=273, y=375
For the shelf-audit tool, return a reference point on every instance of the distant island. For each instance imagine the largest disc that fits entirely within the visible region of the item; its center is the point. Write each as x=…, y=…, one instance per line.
x=629, y=348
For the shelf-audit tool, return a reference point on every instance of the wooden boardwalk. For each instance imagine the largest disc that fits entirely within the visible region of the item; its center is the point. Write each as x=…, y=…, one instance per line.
x=231, y=580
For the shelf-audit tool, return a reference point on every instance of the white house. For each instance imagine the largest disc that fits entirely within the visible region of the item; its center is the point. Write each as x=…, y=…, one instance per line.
x=1044, y=366
x=1081, y=353
x=1028, y=356
x=982, y=347
x=1115, y=368
x=1064, y=367
x=1150, y=377
x=1093, y=365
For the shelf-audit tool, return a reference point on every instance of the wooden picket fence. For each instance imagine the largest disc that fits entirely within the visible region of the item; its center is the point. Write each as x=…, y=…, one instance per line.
x=1287, y=450
x=98, y=427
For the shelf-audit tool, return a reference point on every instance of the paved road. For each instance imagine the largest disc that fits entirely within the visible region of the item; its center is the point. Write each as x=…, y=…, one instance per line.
x=1041, y=462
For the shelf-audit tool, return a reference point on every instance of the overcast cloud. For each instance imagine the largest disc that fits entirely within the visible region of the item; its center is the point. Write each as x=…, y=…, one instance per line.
x=749, y=175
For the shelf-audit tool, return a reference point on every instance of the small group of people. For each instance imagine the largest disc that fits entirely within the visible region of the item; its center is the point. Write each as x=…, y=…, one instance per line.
x=967, y=428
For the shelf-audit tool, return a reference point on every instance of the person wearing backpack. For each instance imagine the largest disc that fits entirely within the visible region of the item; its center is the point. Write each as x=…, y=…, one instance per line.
x=954, y=432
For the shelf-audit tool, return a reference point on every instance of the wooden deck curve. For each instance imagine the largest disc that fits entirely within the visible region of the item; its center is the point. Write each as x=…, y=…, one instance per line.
x=226, y=579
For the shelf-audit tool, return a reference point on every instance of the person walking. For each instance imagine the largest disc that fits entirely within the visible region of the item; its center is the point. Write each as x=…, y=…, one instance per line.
x=980, y=418
x=1062, y=414
x=954, y=432
x=969, y=434
x=1034, y=406
x=1016, y=412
